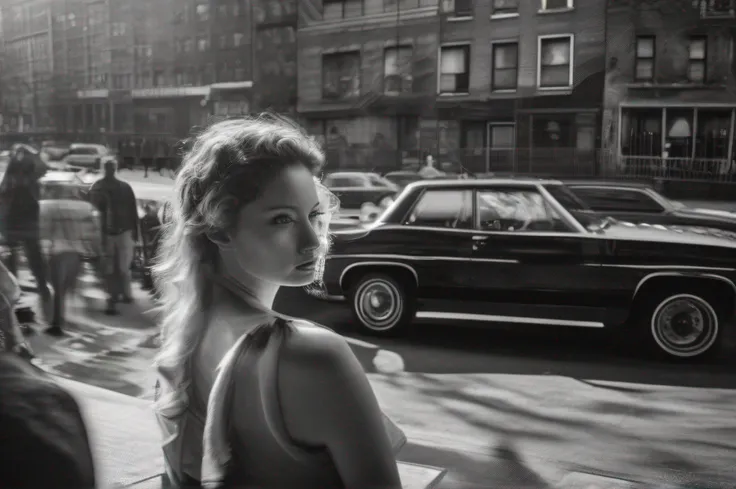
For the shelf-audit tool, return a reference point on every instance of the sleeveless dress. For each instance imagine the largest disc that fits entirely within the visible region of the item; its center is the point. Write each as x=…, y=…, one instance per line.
x=197, y=442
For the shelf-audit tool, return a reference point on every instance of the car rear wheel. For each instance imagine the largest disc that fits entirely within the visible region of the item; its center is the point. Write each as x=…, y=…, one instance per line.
x=682, y=325
x=382, y=304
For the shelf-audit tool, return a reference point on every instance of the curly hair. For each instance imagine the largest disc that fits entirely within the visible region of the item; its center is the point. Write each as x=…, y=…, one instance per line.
x=228, y=166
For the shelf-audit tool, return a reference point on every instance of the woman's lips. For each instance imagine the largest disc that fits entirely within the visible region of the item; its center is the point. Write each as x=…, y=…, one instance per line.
x=307, y=265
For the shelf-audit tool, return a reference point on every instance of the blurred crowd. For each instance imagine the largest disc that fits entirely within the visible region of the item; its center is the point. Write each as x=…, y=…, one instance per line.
x=60, y=237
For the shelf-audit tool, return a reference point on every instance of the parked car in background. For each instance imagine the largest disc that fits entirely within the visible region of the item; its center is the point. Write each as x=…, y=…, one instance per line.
x=89, y=156
x=402, y=178
x=356, y=188
x=640, y=203
x=530, y=252
x=54, y=150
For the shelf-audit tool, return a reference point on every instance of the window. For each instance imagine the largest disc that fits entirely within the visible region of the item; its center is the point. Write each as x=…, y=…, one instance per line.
x=617, y=200
x=397, y=69
x=443, y=209
x=344, y=182
x=341, y=75
x=645, y=50
x=455, y=69
x=341, y=9
x=556, y=4
x=203, y=44
x=517, y=210
x=505, y=7
x=188, y=46
x=505, y=66
x=118, y=28
x=555, y=62
x=203, y=12
x=238, y=39
x=222, y=10
x=223, y=42
x=698, y=54
x=460, y=8
x=716, y=8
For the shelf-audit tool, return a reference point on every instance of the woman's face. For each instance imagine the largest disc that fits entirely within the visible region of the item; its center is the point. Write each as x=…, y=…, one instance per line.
x=275, y=238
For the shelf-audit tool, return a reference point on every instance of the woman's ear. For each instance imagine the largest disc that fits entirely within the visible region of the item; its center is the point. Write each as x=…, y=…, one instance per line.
x=220, y=238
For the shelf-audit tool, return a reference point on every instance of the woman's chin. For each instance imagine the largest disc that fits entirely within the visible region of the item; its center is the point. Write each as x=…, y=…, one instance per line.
x=301, y=278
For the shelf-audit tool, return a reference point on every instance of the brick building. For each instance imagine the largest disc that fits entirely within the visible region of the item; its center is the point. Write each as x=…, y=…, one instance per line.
x=670, y=100
x=497, y=85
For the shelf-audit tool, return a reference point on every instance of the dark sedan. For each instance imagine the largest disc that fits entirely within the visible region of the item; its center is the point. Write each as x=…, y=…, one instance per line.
x=640, y=203
x=530, y=252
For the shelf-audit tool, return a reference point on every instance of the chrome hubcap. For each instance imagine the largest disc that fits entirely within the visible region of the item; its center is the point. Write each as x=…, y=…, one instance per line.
x=685, y=325
x=378, y=304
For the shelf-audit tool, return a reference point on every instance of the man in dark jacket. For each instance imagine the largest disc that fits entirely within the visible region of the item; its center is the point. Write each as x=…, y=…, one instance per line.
x=119, y=221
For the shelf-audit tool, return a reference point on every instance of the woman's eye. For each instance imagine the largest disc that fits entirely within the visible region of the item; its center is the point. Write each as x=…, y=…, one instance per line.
x=316, y=214
x=282, y=219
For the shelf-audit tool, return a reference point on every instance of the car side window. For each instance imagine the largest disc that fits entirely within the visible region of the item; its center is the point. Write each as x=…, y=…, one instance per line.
x=344, y=182
x=443, y=209
x=617, y=200
x=517, y=210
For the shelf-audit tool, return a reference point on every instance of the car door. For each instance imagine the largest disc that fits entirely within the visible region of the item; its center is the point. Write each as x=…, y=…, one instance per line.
x=625, y=204
x=532, y=260
x=436, y=240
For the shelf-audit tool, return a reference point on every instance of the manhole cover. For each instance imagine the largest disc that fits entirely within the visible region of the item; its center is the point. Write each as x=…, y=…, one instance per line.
x=582, y=480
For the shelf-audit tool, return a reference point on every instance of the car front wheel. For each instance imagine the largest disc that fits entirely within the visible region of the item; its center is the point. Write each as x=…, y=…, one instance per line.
x=682, y=325
x=382, y=304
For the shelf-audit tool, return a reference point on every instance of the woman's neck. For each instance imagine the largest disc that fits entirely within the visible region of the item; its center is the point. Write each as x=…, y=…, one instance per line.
x=261, y=292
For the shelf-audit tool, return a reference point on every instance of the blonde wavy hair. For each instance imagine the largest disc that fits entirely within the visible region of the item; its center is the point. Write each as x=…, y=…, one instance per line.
x=228, y=166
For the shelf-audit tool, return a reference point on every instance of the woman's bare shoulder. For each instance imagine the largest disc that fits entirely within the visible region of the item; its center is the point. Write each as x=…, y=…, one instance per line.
x=314, y=344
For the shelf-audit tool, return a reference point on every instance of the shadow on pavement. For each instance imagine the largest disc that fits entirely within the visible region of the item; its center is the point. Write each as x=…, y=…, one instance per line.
x=514, y=349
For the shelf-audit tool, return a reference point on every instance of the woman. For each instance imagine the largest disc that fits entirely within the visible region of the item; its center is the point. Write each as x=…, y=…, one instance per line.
x=288, y=405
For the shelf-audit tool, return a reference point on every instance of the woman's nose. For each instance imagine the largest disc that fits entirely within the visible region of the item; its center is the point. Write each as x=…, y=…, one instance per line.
x=310, y=238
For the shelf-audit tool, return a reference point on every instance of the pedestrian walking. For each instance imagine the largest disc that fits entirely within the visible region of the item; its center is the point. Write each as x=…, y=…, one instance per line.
x=74, y=233
x=116, y=202
x=20, y=215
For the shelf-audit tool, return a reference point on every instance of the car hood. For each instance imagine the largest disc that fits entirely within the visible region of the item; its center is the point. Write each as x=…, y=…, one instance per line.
x=695, y=235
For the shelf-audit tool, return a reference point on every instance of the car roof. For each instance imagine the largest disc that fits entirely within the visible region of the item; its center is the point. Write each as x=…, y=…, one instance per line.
x=607, y=183
x=350, y=174
x=526, y=182
x=86, y=145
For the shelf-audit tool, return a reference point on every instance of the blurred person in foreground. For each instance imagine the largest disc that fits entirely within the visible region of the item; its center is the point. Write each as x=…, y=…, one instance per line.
x=20, y=214
x=248, y=397
x=11, y=336
x=45, y=444
x=119, y=225
x=73, y=231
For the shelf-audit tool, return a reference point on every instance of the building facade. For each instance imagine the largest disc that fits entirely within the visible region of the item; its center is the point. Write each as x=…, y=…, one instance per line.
x=499, y=85
x=135, y=66
x=27, y=64
x=670, y=100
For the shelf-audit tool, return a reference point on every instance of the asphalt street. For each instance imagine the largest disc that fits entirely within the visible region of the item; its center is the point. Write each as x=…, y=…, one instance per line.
x=499, y=406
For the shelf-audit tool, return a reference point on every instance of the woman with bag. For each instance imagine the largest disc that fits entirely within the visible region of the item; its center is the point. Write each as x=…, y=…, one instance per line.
x=248, y=397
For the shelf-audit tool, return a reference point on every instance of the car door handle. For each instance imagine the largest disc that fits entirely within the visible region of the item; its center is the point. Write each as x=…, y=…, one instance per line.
x=480, y=238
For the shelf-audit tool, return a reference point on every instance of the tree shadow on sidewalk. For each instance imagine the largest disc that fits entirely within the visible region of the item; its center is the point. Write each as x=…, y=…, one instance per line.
x=502, y=468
